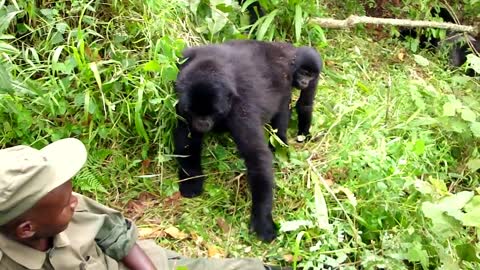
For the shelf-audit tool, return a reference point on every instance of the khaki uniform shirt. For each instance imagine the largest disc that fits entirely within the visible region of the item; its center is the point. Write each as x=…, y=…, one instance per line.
x=97, y=238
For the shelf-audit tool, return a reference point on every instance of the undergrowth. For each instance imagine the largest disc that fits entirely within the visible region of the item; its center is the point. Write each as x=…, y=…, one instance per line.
x=389, y=179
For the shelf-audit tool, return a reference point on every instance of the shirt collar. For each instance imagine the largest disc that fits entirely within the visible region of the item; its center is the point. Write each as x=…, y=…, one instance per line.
x=27, y=256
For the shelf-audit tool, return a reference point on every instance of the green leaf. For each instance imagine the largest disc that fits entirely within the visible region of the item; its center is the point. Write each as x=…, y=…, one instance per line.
x=443, y=225
x=473, y=164
x=473, y=204
x=298, y=22
x=246, y=4
x=451, y=204
x=6, y=19
x=7, y=48
x=169, y=73
x=419, y=147
x=224, y=7
x=266, y=24
x=468, y=115
x=416, y=253
x=321, y=209
x=475, y=128
x=467, y=252
x=422, y=61
x=447, y=212
x=139, y=115
x=152, y=66
x=472, y=218
x=449, y=109
x=5, y=83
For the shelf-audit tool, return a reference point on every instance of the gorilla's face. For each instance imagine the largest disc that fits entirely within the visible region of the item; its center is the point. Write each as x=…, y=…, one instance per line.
x=205, y=104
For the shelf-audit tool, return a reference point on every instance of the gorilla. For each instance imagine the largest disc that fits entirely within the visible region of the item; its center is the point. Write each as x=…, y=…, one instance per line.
x=459, y=45
x=238, y=87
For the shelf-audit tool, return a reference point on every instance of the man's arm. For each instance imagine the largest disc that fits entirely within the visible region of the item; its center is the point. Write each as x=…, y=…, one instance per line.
x=136, y=259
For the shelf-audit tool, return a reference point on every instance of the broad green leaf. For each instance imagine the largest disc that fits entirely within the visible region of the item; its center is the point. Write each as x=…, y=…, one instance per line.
x=473, y=204
x=419, y=147
x=56, y=56
x=467, y=252
x=246, y=4
x=449, y=109
x=152, y=66
x=297, y=21
x=468, y=115
x=6, y=19
x=422, y=61
x=416, y=253
x=443, y=225
x=473, y=164
x=169, y=73
x=475, y=128
x=224, y=7
x=266, y=24
x=7, y=48
x=139, y=115
x=321, y=210
x=472, y=218
x=61, y=27
x=5, y=83
x=446, y=213
x=451, y=204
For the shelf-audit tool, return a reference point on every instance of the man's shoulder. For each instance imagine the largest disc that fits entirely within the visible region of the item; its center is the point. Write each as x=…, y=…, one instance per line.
x=86, y=204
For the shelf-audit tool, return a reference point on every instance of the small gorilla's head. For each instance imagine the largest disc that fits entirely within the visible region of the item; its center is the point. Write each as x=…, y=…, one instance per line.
x=206, y=89
x=308, y=65
x=205, y=103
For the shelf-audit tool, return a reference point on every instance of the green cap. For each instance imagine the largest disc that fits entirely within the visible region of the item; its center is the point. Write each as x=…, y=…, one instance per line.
x=28, y=174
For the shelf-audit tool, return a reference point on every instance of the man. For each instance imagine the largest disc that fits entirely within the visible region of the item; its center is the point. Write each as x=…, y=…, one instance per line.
x=44, y=225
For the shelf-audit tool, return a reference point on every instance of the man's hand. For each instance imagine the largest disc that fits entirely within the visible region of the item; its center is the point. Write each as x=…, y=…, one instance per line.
x=136, y=259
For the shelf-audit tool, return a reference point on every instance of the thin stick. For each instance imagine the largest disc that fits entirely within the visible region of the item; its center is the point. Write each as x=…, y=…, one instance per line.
x=354, y=19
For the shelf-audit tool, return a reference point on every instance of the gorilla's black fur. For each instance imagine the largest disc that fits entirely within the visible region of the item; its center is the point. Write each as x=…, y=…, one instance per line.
x=459, y=45
x=239, y=86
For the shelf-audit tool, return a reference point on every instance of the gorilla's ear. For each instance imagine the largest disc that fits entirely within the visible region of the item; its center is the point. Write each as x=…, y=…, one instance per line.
x=187, y=56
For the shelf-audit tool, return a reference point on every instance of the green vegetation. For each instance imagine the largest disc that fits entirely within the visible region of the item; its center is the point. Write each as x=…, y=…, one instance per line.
x=388, y=181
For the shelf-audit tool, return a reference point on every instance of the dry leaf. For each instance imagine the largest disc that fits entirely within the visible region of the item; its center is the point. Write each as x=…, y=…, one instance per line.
x=197, y=239
x=176, y=233
x=173, y=200
x=215, y=252
x=401, y=56
x=136, y=208
x=223, y=225
x=350, y=196
x=290, y=258
x=329, y=182
x=150, y=233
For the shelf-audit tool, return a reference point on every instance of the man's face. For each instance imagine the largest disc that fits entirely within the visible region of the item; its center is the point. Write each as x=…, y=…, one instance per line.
x=52, y=214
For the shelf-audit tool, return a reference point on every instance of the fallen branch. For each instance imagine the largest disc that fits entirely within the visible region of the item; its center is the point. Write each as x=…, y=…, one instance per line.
x=354, y=19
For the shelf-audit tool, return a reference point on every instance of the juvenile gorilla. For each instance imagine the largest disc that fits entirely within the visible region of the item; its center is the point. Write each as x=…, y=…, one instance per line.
x=237, y=87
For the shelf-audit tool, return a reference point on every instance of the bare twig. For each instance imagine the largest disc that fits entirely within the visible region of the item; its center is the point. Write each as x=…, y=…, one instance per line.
x=354, y=19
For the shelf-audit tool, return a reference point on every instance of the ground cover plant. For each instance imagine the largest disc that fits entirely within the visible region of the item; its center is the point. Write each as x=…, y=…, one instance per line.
x=389, y=179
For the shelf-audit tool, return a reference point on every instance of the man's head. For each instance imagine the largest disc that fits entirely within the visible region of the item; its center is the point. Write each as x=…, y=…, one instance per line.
x=36, y=198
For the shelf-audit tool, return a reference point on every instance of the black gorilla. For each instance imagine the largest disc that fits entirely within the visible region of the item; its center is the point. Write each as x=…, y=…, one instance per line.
x=239, y=86
x=456, y=43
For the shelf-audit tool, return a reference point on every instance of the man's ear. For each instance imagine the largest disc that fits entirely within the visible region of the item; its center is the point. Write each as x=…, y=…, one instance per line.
x=25, y=230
